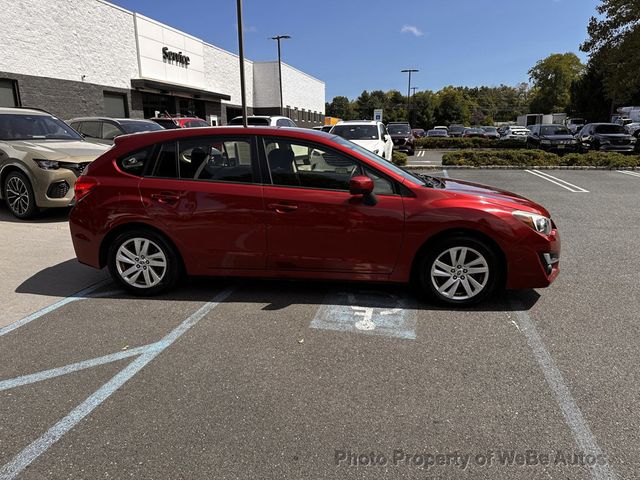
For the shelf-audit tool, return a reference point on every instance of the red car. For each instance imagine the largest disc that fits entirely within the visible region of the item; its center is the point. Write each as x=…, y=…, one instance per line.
x=298, y=203
x=179, y=122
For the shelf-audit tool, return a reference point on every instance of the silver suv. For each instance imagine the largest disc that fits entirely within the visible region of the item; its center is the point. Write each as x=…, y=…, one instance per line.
x=40, y=159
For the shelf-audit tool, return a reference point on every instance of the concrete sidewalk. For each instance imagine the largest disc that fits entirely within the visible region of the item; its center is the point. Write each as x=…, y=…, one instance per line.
x=37, y=264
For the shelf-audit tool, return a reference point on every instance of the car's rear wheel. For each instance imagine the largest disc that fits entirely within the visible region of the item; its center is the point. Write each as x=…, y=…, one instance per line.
x=18, y=194
x=144, y=262
x=459, y=270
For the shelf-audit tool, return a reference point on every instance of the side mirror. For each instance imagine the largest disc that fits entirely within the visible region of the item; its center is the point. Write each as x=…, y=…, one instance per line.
x=360, y=185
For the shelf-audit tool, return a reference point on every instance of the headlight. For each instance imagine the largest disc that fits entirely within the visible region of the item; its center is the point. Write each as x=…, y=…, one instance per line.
x=47, y=164
x=537, y=222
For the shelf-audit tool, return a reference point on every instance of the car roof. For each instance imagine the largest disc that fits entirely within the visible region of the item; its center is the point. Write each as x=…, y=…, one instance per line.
x=358, y=122
x=23, y=111
x=109, y=119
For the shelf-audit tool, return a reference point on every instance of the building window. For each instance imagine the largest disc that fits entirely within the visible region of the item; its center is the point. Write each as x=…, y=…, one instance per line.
x=9, y=95
x=115, y=105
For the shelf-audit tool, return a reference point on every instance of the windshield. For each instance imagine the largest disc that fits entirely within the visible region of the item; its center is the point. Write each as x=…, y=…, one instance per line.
x=35, y=127
x=437, y=133
x=554, y=130
x=614, y=129
x=379, y=160
x=256, y=121
x=399, y=129
x=456, y=128
x=356, y=132
x=135, y=127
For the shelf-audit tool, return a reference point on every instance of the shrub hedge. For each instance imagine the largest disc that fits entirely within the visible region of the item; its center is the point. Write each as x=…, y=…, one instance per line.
x=456, y=142
x=399, y=158
x=529, y=158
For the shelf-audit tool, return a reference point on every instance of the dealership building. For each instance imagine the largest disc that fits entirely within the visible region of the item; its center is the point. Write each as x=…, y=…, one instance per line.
x=91, y=58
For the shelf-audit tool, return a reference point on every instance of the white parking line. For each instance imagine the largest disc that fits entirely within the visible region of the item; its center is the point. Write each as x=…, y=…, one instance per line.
x=12, y=469
x=558, y=181
x=81, y=295
x=627, y=172
x=573, y=417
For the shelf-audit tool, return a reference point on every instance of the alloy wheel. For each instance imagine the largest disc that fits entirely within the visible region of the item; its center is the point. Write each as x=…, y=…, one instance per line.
x=141, y=263
x=460, y=273
x=17, y=195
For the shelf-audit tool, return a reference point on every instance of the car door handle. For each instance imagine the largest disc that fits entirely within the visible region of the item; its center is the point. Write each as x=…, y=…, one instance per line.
x=164, y=197
x=282, y=208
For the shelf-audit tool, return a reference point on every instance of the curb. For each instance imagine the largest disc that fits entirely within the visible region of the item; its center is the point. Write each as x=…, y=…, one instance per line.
x=516, y=167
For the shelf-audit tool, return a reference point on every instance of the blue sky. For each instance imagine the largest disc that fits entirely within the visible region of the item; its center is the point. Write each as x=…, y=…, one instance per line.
x=355, y=45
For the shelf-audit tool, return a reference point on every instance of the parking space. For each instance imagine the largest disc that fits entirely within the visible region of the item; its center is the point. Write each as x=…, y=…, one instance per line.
x=425, y=158
x=266, y=379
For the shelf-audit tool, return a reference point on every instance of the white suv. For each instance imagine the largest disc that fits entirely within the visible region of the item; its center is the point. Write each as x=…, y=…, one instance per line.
x=515, y=132
x=371, y=135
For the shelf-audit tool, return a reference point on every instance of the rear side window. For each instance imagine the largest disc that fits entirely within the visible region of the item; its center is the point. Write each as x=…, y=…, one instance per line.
x=217, y=159
x=135, y=163
x=91, y=129
x=167, y=162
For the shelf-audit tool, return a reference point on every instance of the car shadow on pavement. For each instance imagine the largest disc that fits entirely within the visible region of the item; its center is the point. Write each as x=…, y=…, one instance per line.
x=61, y=280
x=52, y=215
x=272, y=294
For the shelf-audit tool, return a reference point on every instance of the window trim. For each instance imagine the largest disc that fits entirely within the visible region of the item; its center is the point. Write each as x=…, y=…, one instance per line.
x=264, y=163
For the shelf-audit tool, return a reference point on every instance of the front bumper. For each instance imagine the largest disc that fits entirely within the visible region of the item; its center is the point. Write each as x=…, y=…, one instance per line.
x=535, y=265
x=560, y=148
x=630, y=148
x=54, y=188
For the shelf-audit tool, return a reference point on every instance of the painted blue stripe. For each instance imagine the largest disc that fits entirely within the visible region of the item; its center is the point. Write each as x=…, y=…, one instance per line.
x=12, y=469
x=81, y=295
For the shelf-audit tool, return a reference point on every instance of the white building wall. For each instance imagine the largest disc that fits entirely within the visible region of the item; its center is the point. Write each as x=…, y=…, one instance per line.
x=68, y=39
x=222, y=74
x=298, y=89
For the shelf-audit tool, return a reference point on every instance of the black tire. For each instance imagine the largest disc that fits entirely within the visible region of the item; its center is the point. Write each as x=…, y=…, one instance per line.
x=20, y=180
x=425, y=282
x=169, y=277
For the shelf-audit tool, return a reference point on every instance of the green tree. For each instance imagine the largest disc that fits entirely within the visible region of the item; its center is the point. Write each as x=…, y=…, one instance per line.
x=424, y=109
x=614, y=48
x=552, y=78
x=339, y=107
x=588, y=96
x=453, y=107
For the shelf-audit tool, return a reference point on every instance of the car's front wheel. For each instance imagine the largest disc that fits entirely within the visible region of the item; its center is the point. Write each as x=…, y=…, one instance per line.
x=18, y=194
x=143, y=262
x=459, y=270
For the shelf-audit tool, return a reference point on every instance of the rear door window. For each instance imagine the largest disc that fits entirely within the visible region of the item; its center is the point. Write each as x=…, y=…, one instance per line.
x=217, y=159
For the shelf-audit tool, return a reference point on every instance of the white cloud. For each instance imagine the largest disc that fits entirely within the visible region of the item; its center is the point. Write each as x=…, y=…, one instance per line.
x=412, y=29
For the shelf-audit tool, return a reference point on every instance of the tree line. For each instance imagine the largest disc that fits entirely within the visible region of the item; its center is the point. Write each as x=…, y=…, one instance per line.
x=558, y=83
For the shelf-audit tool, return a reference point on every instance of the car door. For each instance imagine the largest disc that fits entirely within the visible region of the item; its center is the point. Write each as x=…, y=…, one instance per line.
x=204, y=192
x=315, y=224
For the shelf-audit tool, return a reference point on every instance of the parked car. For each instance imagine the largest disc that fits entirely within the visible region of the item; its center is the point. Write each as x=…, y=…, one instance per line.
x=323, y=128
x=441, y=127
x=105, y=130
x=40, y=159
x=371, y=135
x=403, y=139
x=551, y=138
x=608, y=137
x=418, y=133
x=491, y=133
x=437, y=132
x=295, y=203
x=265, y=120
x=515, y=132
x=575, y=124
x=474, y=133
x=633, y=128
x=456, y=130
x=172, y=122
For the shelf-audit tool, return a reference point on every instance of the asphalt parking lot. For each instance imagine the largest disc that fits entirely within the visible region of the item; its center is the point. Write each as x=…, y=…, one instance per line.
x=272, y=380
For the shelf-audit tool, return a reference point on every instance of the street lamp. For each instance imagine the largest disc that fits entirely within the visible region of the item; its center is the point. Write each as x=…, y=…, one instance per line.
x=409, y=71
x=277, y=38
x=243, y=91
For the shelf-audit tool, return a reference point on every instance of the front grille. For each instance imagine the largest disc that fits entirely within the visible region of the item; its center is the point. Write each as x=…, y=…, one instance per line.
x=58, y=189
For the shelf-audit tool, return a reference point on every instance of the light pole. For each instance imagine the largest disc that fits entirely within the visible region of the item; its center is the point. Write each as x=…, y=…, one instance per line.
x=409, y=71
x=243, y=92
x=277, y=38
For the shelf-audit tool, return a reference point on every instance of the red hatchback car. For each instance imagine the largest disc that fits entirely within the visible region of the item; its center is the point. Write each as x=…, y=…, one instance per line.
x=297, y=203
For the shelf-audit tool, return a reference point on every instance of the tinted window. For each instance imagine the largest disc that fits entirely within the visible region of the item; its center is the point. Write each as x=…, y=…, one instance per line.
x=381, y=185
x=167, y=162
x=166, y=123
x=135, y=163
x=216, y=159
x=612, y=129
x=91, y=129
x=302, y=165
x=35, y=127
x=256, y=121
x=110, y=131
x=554, y=130
x=356, y=132
x=399, y=129
x=139, y=126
